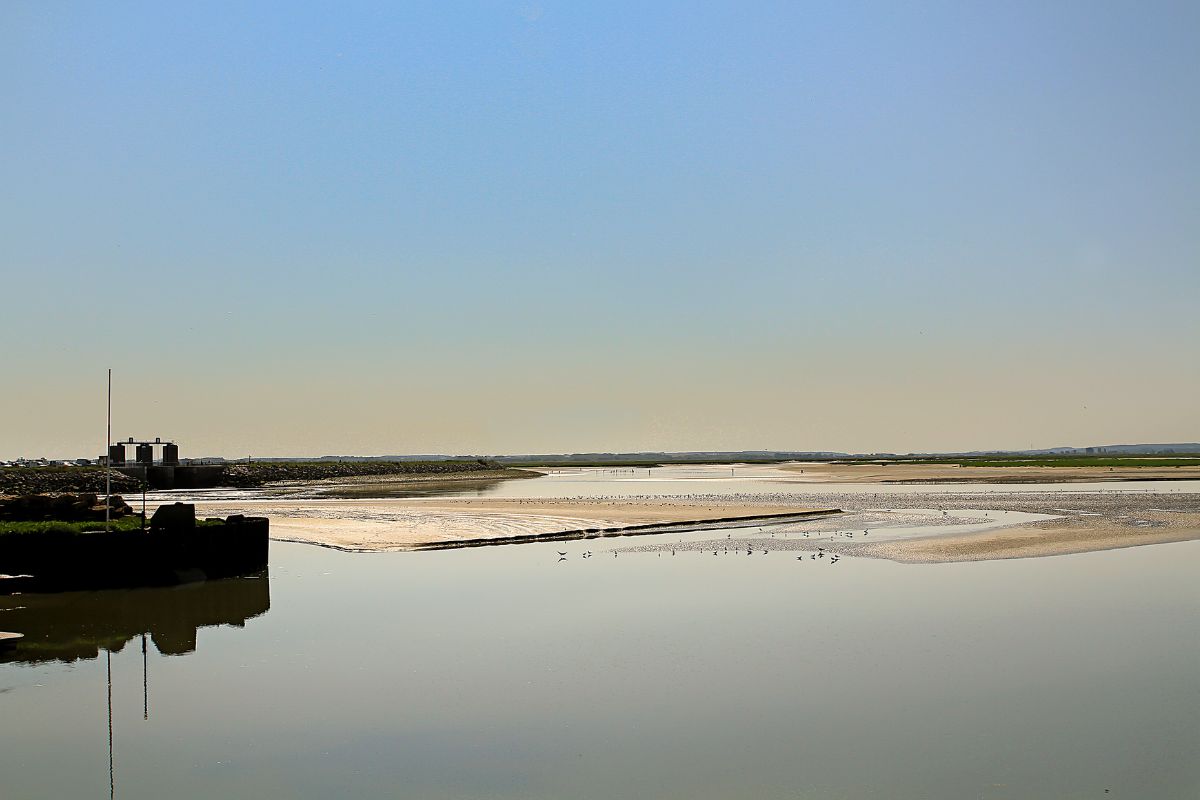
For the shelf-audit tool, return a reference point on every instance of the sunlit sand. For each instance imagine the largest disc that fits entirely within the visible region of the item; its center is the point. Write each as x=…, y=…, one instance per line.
x=412, y=523
x=1037, y=521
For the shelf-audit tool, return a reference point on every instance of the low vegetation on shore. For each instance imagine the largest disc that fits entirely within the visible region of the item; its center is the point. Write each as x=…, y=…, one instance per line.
x=63, y=527
x=1057, y=461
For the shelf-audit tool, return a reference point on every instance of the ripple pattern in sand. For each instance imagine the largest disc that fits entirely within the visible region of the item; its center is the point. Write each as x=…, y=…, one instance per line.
x=375, y=529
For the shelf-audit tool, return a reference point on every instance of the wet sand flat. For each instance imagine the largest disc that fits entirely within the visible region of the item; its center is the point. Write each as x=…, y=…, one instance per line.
x=414, y=523
x=1051, y=538
x=940, y=526
x=1082, y=522
x=1073, y=518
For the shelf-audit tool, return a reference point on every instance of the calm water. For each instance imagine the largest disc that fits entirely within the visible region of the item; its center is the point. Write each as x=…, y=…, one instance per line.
x=505, y=673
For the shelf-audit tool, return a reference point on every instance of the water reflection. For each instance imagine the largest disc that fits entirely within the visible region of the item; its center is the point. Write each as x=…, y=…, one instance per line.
x=504, y=673
x=71, y=626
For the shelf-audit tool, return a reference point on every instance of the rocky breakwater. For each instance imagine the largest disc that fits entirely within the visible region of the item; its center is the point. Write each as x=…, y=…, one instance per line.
x=15, y=481
x=264, y=472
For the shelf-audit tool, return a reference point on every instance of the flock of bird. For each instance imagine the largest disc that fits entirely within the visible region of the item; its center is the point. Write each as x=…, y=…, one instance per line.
x=586, y=554
x=725, y=550
x=821, y=553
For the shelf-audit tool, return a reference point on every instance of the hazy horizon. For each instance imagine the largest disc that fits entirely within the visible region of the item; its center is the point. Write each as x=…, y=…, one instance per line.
x=537, y=228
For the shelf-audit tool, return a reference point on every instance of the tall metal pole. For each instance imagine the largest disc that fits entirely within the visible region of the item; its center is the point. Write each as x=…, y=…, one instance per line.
x=108, y=457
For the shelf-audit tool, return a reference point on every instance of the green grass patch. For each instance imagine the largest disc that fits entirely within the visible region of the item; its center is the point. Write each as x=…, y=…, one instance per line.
x=132, y=523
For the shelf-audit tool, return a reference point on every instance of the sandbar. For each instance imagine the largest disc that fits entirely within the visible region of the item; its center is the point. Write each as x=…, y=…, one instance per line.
x=417, y=523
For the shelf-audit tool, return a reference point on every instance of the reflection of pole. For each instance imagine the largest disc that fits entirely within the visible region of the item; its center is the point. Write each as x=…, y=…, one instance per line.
x=111, y=785
x=145, y=683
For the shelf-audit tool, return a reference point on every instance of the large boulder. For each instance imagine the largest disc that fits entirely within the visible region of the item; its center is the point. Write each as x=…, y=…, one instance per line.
x=175, y=517
x=117, y=507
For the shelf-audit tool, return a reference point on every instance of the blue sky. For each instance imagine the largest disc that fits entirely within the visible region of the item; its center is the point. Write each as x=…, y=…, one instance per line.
x=505, y=227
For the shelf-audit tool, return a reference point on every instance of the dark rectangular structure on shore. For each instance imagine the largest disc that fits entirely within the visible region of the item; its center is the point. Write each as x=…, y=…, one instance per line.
x=161, y=556
x=168, y=476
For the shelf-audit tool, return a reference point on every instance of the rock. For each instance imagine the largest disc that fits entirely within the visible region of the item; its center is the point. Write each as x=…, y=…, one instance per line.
x=63, y=508
x=177, y=516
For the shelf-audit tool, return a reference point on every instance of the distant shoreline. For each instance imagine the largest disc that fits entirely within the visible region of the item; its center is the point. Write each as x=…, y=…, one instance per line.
x=901, y=473
x=248, y=475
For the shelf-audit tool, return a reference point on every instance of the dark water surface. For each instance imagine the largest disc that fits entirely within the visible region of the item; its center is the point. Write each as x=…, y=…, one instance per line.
x=506, y=673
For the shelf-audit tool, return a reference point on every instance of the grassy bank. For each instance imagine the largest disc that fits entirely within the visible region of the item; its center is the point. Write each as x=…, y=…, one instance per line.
x=60, y=526
x=131, y=523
